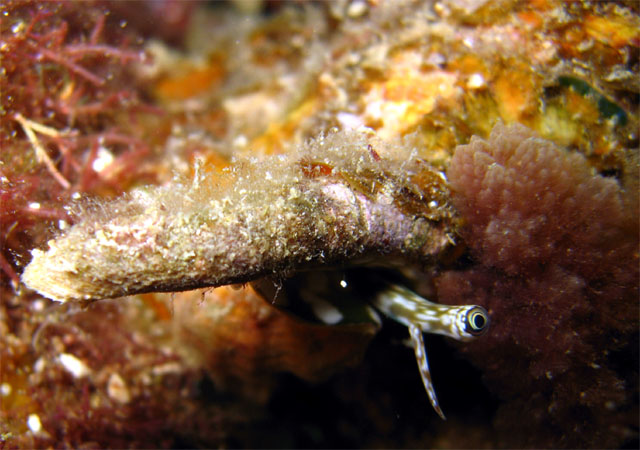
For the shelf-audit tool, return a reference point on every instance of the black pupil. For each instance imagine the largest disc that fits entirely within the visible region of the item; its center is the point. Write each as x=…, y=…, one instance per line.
x=476, y=321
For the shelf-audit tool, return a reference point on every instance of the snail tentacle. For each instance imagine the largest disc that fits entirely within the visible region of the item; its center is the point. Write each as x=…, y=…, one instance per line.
x=423, y=365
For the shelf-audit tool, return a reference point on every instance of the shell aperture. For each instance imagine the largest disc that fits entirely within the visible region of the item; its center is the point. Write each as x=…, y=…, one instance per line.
x=352, y=296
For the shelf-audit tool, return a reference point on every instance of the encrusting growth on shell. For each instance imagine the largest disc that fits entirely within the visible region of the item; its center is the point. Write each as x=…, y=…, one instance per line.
x=344, y=198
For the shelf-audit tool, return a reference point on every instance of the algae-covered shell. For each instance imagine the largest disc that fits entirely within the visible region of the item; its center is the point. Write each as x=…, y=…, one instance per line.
x=344, y=198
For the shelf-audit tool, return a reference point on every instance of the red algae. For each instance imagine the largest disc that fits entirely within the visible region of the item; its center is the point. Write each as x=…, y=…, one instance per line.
x=555, y=261
x=64, y=90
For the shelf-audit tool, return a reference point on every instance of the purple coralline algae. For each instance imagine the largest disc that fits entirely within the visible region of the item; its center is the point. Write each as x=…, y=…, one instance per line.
x=554, y=259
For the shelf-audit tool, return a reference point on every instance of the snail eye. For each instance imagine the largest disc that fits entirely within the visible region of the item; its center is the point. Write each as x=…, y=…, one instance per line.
x=476, y=321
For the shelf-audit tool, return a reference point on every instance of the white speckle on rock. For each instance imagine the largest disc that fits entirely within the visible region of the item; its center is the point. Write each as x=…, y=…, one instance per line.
x=357, y=9
x=5, y=389
x=475, y=81
x=104, y=158
x=73, y=365
x=34, y=424
x=117, y=389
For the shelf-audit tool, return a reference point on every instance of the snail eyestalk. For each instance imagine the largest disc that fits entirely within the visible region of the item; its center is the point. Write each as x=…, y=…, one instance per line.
x=462, y=323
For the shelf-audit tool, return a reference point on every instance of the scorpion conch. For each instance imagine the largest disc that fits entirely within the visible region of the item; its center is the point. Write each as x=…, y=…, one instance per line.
x=344, y=199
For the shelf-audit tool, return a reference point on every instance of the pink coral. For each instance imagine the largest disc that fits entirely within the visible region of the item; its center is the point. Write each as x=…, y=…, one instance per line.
x=555, y=262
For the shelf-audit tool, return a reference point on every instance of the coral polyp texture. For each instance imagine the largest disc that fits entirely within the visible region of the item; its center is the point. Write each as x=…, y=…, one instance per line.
x=339, y=202
x=555, y=248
